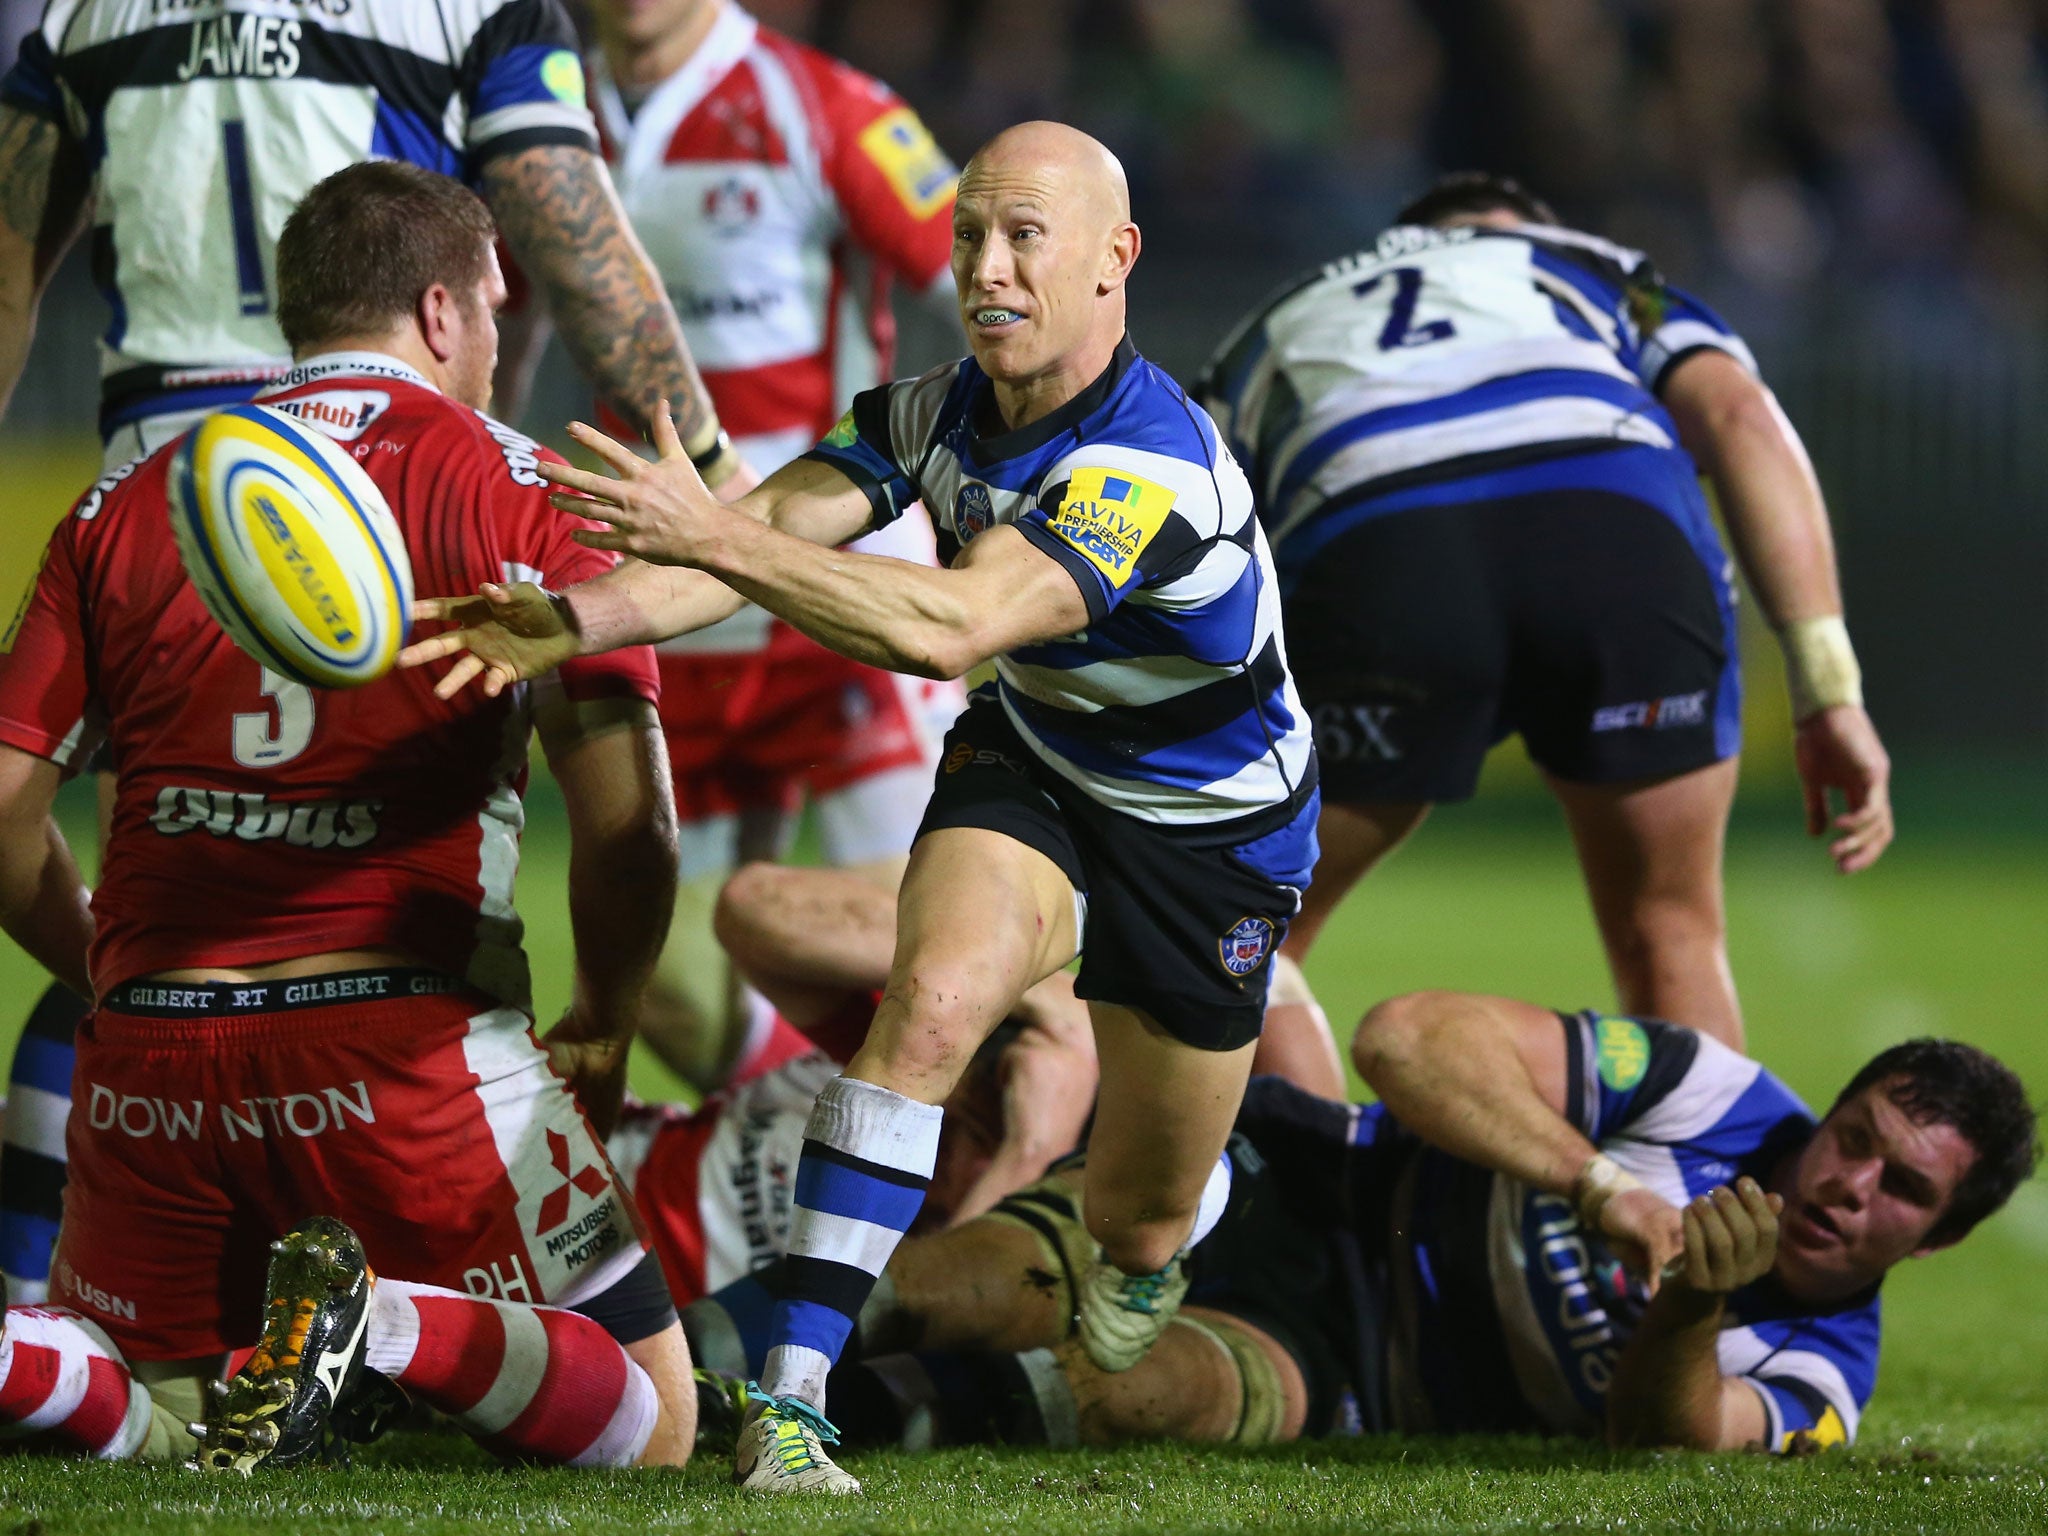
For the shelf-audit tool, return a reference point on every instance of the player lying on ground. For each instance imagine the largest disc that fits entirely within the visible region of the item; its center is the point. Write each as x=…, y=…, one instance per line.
x=311, y=992
x=1477, y=449
x=1138, y=786
x=714, y=1184
x=1478, y=1252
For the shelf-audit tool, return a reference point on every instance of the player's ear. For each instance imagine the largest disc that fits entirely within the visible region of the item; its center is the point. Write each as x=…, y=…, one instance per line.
x=435, y=314
x=1121, y=255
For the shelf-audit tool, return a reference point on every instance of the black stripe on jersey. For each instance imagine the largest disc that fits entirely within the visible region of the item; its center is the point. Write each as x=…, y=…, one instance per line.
x=1138, y=730
x=856, y=1164
x=521, y=24
x=842, y=1287
x=1575, y=1027
x=1673, y=1050
x=165, y=55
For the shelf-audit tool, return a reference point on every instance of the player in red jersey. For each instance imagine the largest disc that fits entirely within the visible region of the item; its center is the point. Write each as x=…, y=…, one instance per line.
x=780, y=193
x=714, y=1185
x=311, y=991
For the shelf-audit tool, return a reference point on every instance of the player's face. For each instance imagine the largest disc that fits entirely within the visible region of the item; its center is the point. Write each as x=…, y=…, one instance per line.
x=474, y=337
x=1865, y=1193
x=647, y=21
x=1025, y=270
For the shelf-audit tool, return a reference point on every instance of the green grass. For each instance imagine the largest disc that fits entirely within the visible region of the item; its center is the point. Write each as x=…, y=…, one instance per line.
x=1949, y=935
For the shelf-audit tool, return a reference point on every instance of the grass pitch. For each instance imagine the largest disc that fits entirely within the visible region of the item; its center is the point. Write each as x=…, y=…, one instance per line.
x=1948, y=935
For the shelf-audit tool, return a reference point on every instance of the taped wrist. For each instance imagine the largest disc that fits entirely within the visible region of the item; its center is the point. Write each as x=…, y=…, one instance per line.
x=1820, y=666
x=1599, y=1182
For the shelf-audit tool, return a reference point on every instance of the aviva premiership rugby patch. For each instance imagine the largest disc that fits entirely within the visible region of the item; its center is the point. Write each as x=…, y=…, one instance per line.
x=1110, y=516
x=1245, y=947
x=1621, y=1053
x=904, y=152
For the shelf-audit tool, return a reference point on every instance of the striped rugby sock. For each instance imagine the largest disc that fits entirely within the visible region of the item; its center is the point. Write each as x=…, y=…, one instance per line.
x=532, y=1383
x=62, y=1380
x=867, y=1161
x=32, y=1167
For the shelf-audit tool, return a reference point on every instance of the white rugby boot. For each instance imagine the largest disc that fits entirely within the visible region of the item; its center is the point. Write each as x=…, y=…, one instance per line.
x=782, y=1448
x=1121, y=1316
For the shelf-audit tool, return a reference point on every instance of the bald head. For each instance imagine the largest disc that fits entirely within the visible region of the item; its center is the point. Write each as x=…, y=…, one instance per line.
x=1043, y=242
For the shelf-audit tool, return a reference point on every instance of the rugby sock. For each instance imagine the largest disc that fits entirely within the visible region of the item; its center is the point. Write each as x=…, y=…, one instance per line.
x=917, y=1401
x=728, y=1330
x=867, y=1161
x=62, y=1379
x=32, y=1166
x=531, y=1383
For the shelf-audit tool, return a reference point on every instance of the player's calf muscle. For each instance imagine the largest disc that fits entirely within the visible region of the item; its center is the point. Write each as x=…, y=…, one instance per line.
x=987, y=1285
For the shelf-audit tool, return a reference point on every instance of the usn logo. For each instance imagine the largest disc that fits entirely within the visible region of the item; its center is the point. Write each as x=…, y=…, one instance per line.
x=1244, y=949
x=973, y=512
x=1110, y=517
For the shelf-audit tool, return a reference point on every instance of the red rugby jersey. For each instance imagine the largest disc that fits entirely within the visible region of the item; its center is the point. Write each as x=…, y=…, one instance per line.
x=257, y=819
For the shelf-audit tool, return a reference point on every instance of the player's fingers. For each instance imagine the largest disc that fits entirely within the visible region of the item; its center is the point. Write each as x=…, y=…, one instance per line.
x=615, y=453
x=581, y=479
x=1816, y=797
x=1697, y=1274
x=1863, y=840
x=427, y=610
x=433, y=648
x=585, y=506
x=604, y=538
x=1716, y=1240
x=662, y=431
x=459, y=676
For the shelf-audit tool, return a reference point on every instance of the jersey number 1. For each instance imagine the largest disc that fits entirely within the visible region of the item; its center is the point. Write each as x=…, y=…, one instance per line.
x=265, y=738
x=234, y=147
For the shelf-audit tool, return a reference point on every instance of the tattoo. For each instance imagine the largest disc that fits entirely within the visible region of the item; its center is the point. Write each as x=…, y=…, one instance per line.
x=28, y=148
x=558, y=212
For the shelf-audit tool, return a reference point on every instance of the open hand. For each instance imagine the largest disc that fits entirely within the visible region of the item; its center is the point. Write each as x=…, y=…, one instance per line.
x=661, y=512
x=1837, y=751
x=592, y=1061
x=1731, y=1237
x=505, y=635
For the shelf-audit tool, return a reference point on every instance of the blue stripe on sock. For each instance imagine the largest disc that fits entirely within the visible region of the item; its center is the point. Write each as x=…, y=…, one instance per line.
x=811, y=1325
x=44, y=1064
x=841, y=1191
x=26, y=1243
x=751, y=1307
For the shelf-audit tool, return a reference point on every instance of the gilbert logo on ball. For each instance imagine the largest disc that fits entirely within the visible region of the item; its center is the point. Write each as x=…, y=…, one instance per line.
x=291, y=547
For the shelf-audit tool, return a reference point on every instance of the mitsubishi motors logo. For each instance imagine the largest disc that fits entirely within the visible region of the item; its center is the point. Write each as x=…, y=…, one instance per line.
x=554, y=1207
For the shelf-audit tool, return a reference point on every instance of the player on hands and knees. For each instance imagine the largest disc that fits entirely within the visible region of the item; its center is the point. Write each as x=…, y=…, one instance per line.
x=184, y=135
x=1574, y=1224
x=1138, y=785
x=311, y=992
x=1477, y=448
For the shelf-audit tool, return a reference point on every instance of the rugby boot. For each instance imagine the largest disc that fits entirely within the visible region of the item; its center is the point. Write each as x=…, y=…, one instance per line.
x=276, y=1411
x=721, y=1406
x=782, y=1448
x=1122, y=1316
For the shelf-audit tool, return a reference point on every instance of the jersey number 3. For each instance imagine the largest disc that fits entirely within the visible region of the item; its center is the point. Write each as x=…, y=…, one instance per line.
x=1401, y=329
x=264, y=738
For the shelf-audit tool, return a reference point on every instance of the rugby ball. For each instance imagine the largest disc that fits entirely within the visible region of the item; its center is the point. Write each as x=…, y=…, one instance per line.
x=292, y=547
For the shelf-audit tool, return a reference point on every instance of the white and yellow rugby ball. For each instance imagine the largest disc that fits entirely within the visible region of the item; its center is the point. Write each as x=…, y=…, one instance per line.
x=292, y=547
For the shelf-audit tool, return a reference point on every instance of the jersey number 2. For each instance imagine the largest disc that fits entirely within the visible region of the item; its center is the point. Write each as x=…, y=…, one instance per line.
x=1401, y=329
x=264, y=738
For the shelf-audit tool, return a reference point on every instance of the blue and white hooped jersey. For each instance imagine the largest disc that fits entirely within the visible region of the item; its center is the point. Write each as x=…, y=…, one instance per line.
x=1683, y=1113
x=1441, y=352
x=205, y=122
x=1175, y=704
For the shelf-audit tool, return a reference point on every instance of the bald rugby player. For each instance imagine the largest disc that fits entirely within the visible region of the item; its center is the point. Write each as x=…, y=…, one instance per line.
x=1138, y=786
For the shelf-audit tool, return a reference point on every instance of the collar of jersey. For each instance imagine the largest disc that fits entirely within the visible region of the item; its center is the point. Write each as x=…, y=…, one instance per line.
x=1036, y=434
x=328, y=365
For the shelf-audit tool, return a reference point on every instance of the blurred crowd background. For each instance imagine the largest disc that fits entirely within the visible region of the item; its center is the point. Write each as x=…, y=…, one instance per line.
x=1861, y=186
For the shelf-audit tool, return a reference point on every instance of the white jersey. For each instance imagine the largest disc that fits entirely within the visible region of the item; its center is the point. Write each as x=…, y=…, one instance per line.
x=208, y=120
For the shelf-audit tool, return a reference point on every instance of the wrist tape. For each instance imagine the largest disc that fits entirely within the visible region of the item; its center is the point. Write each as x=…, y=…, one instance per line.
x=1599, y=1182
x=1820, y=666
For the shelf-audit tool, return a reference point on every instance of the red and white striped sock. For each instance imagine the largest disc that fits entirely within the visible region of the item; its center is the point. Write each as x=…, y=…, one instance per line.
x=529, y=1382
x=62, y=1380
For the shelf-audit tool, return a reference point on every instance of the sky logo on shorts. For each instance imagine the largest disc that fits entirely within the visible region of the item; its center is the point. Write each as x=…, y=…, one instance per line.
x=1244, y=949
x=973, y=511
x=1110, y=517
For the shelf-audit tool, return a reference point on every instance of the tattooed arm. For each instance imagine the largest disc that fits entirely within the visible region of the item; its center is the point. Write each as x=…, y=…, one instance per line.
x=557, y=210
x=42, y=205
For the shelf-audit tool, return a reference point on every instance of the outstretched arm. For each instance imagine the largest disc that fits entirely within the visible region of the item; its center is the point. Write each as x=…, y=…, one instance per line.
x=1771, y=499
x=42, y=206
x=557, y=209
x=1483, y=1078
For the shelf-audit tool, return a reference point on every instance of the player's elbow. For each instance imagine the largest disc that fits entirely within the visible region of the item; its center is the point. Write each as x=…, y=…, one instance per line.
x=944, y=652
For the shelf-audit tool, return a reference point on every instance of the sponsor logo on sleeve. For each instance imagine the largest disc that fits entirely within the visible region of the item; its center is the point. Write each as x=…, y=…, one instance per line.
x=844, y=433
x=912, y=163
x=1110, y=516
x=562, y=73
x=1244, y=949
x=1621, y=1053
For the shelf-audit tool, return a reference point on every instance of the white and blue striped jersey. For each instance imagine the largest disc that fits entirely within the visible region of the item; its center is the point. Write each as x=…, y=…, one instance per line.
x=1545, y=1310
x=205, y=122
x=1441, y=352
x=1175, y=704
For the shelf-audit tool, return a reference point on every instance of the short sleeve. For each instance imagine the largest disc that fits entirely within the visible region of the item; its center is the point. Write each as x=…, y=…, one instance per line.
x=522, y=82
x=862, y=447
x=1112, y=529
x=1674, y=325
x=893, y=183
x=45, y=672
x=1813, y=1374
x=1618, y=1069
x=32, y=85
